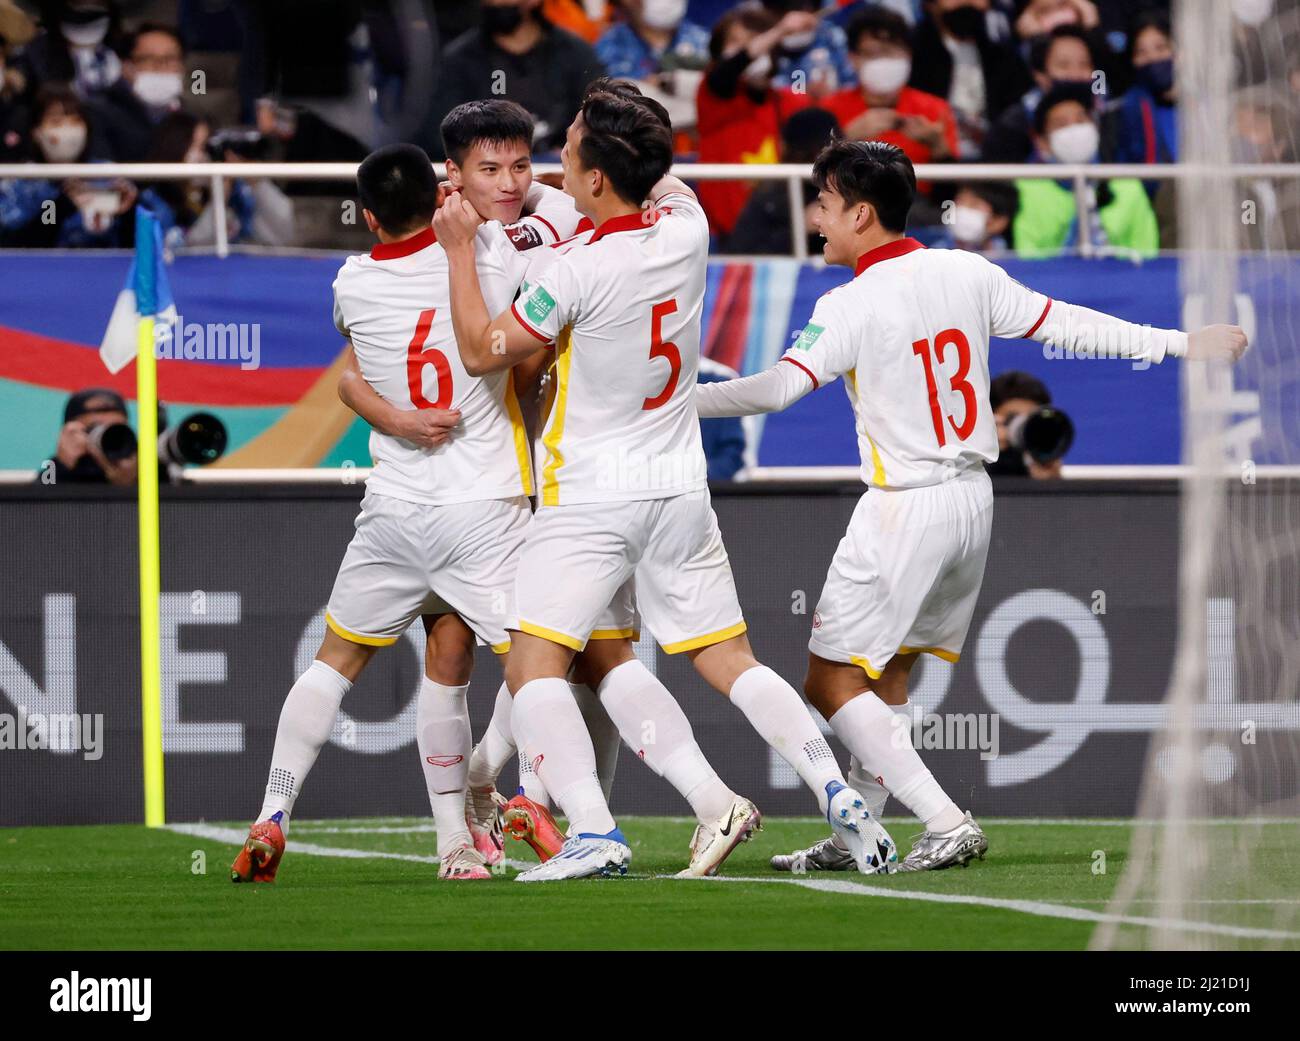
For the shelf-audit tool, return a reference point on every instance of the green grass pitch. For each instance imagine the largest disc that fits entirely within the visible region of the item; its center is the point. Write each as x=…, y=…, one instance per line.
x=127, y=887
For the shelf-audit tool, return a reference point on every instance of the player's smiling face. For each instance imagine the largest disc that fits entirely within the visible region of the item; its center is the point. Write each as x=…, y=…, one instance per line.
x=838, y=225
x=495, y=177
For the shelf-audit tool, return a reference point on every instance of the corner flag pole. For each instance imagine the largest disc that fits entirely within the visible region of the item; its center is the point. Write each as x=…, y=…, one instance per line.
x=146, y=374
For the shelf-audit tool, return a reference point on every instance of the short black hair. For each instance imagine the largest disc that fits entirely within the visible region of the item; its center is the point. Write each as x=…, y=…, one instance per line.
x=626, y=142
x=869, y=171
x=1007, y=386
x=628, y=89
x=1059, y=95
x=496, y=122
x=152, y=27
x=1041, y=46
x=1003, y=199
x=397, y=184
x=880, y=23
x=806, y=133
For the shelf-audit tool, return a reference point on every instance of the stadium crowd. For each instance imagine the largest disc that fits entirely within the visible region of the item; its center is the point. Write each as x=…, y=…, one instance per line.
x=762, y=81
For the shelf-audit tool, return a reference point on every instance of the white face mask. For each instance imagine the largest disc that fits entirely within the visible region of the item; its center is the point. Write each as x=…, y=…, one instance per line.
x=885, y=75
x=759, y=70
x=663, y=14
x=798, y=41
x=1252, y=13
x=63, y=144
x=969, y=225
x=157, y=88
x=85, y=34
x=1076, y=143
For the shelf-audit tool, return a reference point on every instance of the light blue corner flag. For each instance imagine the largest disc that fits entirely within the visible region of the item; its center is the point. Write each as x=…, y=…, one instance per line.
x=145, y=295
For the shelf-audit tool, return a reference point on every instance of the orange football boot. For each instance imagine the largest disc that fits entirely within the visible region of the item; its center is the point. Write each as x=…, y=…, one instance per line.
x=259, y=860
x=531, y=822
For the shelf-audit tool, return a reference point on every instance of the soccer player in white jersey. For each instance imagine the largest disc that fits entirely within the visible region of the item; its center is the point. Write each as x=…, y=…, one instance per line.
x=910, y=335
x=623, y=490
x=488, y=148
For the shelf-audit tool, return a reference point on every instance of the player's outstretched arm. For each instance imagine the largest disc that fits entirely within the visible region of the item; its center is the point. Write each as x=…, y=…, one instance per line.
x=485, y=345
x=771, y=390
x=1217, y=343
x=425, y=428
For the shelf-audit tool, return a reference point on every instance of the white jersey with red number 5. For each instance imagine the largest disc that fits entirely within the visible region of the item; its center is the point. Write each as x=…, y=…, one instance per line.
x=910, y=336
x=395, y=306
x=622, y=305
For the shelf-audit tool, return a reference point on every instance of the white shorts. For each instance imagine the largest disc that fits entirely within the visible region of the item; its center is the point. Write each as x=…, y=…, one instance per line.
x=576, y=558
x=906, y=575
x=407, y=560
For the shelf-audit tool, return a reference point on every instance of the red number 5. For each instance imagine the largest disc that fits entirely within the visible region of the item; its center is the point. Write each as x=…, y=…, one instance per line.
x=659, y=348
x=958, y=382
x=418, y=356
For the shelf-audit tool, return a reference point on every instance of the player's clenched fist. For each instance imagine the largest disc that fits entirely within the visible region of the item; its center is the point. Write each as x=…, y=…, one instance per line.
x=1217, y=343
x=456, y=221
x=427, y=427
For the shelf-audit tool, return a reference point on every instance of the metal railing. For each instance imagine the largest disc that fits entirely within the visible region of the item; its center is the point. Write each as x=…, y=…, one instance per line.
x=793, y=174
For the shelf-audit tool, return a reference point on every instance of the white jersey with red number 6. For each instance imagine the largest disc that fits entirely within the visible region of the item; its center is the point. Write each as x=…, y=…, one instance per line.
x=910, y=336
x=395, y=306
x=622, y=304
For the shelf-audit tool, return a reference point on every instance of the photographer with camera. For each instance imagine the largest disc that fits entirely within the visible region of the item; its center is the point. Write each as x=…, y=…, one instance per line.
x=98, y=446
x=1033, y=436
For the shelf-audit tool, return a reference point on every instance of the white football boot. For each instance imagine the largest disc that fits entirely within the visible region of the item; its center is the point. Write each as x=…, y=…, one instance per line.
x=873, y=850
x=826, y=855
x=582, y=856
x=713, y=843
x=935, y=850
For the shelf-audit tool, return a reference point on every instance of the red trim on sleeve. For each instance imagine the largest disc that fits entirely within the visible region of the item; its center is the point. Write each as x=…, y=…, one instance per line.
x=551, y=226
x=1041, y=317
x=806, y=370
x=520, y=319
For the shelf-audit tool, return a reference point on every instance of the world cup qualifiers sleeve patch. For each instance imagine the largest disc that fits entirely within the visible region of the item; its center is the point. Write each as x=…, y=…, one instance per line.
x=808, y=336
x=538, y=305
x=524, y=237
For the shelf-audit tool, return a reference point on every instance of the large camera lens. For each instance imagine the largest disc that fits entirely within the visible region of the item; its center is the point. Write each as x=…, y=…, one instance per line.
x=199, y=438
x=1045, y=435
x=115, y=441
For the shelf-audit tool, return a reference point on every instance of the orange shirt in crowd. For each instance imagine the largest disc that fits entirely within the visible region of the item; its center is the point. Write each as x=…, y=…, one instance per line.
x=571, y=16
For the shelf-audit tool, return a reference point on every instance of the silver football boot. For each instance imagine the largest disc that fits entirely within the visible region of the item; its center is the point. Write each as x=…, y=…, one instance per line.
x=825, y=855
x=934, y=850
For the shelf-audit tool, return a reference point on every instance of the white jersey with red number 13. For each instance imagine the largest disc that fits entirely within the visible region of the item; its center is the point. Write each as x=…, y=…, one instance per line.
x=910, y=336
x=623, y=305
x=395, y=306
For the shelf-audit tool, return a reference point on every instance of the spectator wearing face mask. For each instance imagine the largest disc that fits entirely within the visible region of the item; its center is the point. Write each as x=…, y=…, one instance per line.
x=518, y=55
x=77, y=46
x=1263, y=131
x=979, y=218
x=1119, y=216
x=151, y=87
x=812, y=58
x=74, y=213
x=1067, y=54
x=955, y=58
x=740, y=111
x=1148, y=128
x=882, y=107
x=660, y=50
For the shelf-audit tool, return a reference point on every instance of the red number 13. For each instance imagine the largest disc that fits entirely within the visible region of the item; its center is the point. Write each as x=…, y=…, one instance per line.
x=958, y=382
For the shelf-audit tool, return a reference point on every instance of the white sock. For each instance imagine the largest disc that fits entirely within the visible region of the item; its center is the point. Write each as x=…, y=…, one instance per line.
x=530, y=783
x=654, y=726
x=786, y=723
x=496, y=748
x=869, y=729
x=442, y=735
x=603, y=732
x=305, y=723
x=860, y=780
x=550, y=730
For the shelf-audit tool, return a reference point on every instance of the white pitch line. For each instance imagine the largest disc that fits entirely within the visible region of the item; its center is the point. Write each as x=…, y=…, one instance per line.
x=234, y=837
x=383, y=829
x=1037, y=908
